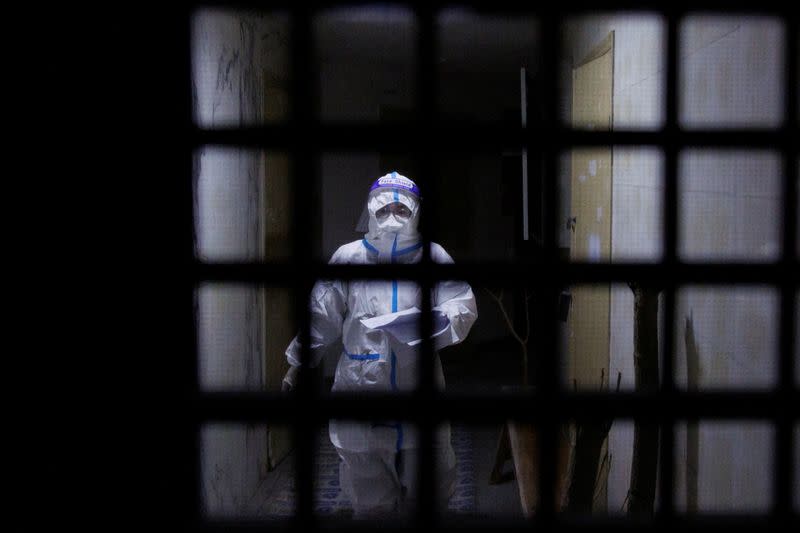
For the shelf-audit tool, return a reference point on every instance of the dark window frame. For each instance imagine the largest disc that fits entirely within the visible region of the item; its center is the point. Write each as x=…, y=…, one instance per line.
x=304, y=138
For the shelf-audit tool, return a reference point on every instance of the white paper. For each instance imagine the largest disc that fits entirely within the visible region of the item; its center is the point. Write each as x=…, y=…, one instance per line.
x=599, y=214
x=593, y=167
x=404, y=325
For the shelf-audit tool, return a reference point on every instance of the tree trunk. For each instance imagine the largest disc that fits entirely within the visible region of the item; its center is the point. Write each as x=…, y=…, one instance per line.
x=645, y=436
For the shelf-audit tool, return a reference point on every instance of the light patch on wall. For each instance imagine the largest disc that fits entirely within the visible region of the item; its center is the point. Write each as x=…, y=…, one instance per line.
x=593, y=167
x=599, y=214
x=582, y=178
x=594, y=247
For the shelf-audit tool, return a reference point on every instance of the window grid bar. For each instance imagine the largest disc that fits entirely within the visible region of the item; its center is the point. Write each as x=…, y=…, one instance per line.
x=532, y=407
x=783, y=465
x=510, y=7
x=305, y=172
x=666, y=510
x=303, y=168
x=427, y=516
x=723, y=522
x=548, y=380
x=455, y=137
x=555, y=271
x=190, y=497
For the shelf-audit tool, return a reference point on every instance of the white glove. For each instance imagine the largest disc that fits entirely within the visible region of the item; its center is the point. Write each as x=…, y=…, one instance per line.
x=290, y=379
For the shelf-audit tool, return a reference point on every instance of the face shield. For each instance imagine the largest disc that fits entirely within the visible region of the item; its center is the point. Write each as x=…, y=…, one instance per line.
x=391, y=215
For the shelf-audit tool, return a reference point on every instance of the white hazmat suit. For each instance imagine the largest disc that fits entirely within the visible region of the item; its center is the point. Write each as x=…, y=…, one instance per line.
x=378, y=460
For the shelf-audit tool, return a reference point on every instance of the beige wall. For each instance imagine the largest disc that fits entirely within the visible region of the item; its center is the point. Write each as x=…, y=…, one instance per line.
x=730, y=207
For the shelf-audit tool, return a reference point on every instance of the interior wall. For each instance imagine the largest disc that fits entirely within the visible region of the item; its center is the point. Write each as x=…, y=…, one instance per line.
x=721, y=195
x=235, y=56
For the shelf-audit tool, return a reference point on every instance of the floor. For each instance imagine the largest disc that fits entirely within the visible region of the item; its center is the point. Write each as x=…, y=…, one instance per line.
x=475, y=448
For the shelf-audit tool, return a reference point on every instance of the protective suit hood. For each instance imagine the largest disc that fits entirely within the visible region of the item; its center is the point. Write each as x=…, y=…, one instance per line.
x=393, y=238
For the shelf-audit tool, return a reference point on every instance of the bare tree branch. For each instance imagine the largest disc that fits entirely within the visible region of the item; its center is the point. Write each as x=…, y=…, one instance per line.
x=499, y=300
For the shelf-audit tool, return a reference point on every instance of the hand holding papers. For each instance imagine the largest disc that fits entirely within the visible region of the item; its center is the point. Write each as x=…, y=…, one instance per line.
x=404, y=325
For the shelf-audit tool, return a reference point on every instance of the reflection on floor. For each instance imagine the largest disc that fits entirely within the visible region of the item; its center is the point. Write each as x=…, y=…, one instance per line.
x=474, y=447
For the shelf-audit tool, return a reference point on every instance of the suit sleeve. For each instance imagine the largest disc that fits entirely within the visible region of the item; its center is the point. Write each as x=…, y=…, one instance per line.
x=328, y=305
x=456, y=300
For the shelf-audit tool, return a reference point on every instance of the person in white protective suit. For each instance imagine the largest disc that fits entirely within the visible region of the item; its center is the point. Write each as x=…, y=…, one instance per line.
x=378, y=460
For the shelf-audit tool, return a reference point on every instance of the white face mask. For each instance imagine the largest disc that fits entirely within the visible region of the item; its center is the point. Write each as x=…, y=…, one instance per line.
x=392, y=223
x=393, y=236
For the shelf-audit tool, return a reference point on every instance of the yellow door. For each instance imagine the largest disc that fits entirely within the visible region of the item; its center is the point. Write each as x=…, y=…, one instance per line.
x=592, y=85
x=589, y=318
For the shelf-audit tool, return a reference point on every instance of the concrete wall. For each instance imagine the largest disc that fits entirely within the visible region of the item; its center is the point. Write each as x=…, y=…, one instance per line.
x=729, y=206
x=235, y=57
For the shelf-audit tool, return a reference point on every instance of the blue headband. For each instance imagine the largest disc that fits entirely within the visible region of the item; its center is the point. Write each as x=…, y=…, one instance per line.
x=396, y=181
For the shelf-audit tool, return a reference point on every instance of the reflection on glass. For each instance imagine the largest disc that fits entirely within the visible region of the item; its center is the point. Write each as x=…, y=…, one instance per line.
x=726, y=337
x=731, y=71
x=242, y=333
x=241, y=205
x=367, y=63
x=239, y=67
x=615, y=58
x=729, y=205
x=245, y=471
x=724, y=467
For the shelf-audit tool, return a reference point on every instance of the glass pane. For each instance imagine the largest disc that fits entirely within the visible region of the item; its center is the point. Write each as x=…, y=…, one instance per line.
x=242, y=333
x=611, y=204
x=366, y=470
x=614, y=72
x=367, y=63
x=598, y=336
x=500, y=352
x=636, y=312
x=479, y=210
x=366, y=333
x=724, y=467
x=637, y=205
x=479, y=63
x=729, y=205
x=345, y=182
x=246, y=471
x=731, y=72
x=241, y=205
x=726, y=337
x=240, y=67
